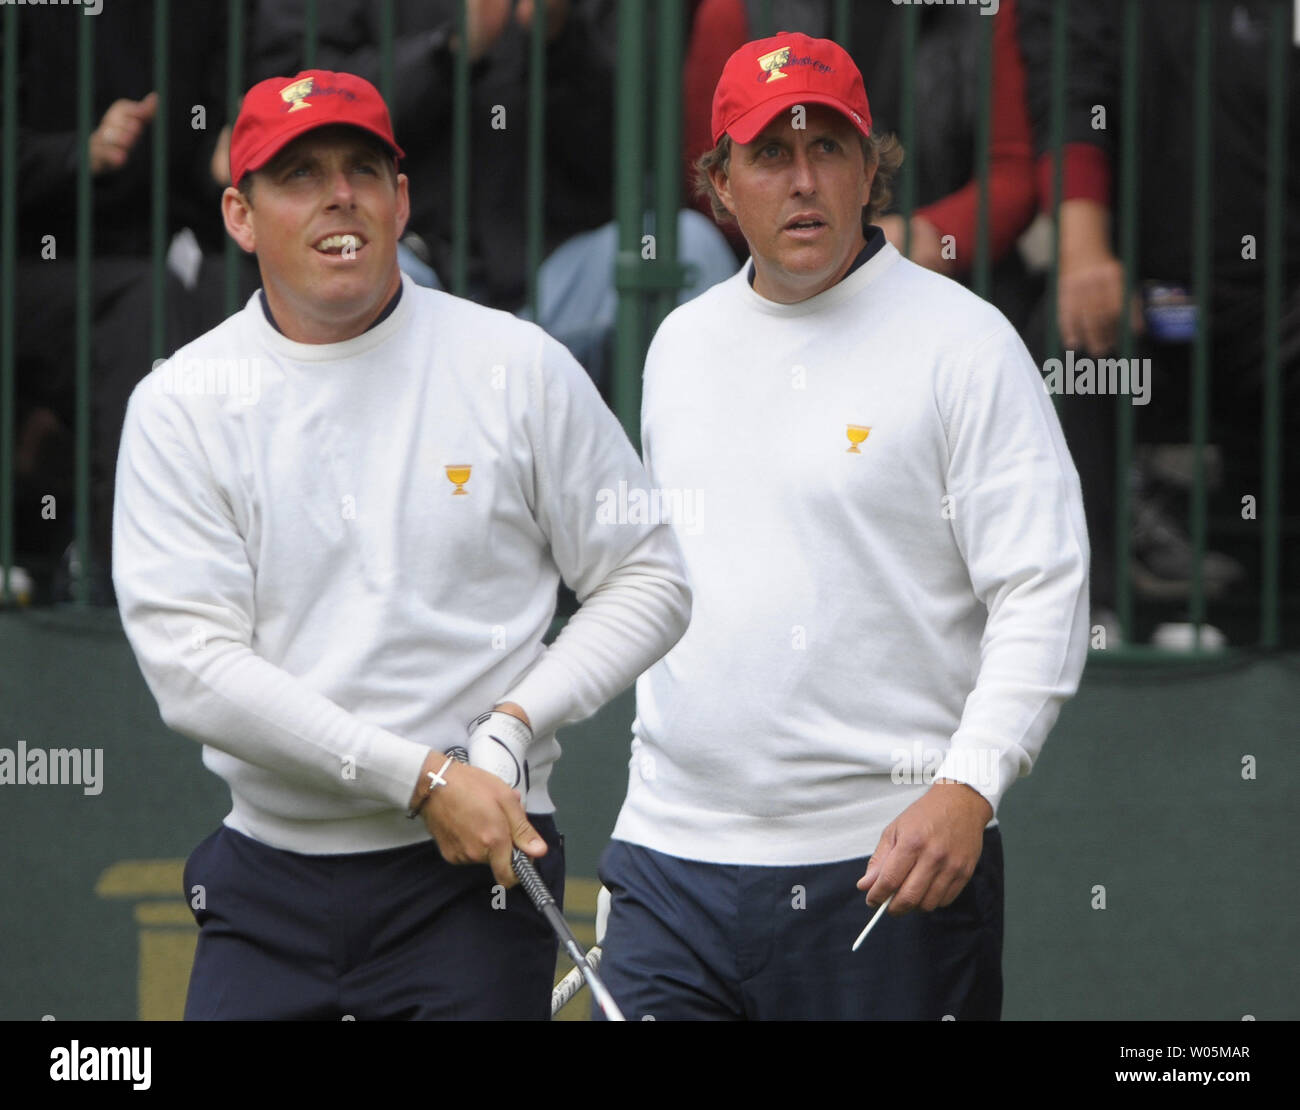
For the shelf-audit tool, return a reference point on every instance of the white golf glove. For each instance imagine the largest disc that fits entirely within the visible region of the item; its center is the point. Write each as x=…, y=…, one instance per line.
x=499, y=743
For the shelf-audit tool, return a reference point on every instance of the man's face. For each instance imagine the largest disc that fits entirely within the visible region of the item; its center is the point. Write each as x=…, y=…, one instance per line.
x=798, y=195
x=330, y=183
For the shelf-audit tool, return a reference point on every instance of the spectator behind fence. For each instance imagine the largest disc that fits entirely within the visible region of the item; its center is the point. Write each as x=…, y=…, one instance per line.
x=1090, y=296
x=125, y=111
x=941, y=156
x=576, y=296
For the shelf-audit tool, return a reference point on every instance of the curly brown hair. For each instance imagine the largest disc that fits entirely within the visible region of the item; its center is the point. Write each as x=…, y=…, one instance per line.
x=885, y=152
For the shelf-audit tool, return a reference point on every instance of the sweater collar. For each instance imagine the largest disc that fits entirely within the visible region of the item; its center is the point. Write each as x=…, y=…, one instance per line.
x=388, y=323
x=875, y=240
x=873, y=260
x=388, y=309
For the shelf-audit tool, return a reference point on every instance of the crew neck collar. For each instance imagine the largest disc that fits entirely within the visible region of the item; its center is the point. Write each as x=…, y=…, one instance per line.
x=875, y=240
x=385, y=325
x=388, y=310
x=873, y=260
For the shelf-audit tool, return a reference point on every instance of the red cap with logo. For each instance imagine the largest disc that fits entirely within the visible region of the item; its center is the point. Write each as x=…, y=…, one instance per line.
x=765, y=77
x=276, y=111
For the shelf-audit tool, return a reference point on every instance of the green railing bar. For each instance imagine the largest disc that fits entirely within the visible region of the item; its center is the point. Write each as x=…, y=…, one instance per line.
x=841, y=25
x=1201, y=216
x=85, y=232
x=536, y=211
x=1128, y=655
x=387, y=31
x=158, y=229
x=629, y=186
x=8, y=291
x=764, y=28
x=1056, y=140
x=234, y=93
x=907, y=122
x=310, y=35
x=983, y=138
x=1128, y=185
x=1271, y=416
x=460, y=155
x=668, y=151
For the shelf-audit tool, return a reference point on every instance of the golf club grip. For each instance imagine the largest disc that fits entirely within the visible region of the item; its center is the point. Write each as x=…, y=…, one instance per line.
x=546, y=905
x=572, y=983
x=530, y=880
x=549, y=909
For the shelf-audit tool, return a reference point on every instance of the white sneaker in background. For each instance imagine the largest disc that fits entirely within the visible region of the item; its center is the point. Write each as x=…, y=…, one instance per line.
x=20, y=587
x=1182, y=637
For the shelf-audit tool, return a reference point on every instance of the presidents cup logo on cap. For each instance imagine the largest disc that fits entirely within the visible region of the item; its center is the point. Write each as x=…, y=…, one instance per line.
x=297, y=93
x=771, y=63
x=764, y=77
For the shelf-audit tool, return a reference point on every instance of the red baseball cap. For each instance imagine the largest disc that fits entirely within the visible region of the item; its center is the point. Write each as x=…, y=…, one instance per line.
x=766, y=76
x=276, y=111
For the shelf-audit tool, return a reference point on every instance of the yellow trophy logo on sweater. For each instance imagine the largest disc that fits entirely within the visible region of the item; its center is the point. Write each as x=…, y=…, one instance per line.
x=458, y=474
x=857, y=433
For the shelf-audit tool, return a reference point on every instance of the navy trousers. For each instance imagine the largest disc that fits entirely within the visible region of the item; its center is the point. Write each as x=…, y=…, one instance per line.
x=396, y=934
x=696, y=941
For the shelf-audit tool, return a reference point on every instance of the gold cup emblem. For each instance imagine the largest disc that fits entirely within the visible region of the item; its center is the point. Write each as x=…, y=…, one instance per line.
x=771, y=64
x=294, y=94
x=856, y=433
x=458, y=474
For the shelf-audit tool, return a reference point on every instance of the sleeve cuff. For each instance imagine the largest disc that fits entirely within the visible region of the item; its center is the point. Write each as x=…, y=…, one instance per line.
x=986, y=769
x=396, y=764
x=1085, y=175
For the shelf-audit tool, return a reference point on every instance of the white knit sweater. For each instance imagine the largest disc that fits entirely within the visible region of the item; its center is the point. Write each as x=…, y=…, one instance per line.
x=310, y=597
x=864, y=621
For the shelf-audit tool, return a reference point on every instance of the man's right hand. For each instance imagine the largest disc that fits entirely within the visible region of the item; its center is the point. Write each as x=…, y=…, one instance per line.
x=476, y=818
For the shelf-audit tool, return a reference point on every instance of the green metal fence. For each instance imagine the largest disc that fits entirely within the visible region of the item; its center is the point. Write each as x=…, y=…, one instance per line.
x=646, y=149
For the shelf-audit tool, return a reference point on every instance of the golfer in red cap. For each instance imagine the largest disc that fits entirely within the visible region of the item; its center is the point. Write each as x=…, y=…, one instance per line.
x=890, y=596
x=341, y=520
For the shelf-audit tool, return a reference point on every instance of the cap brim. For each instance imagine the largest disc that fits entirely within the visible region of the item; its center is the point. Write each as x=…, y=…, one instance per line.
x=745, y=128
x=270, y=149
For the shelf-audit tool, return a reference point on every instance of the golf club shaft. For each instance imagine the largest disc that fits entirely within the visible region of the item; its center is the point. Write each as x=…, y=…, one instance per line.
x=542, y=898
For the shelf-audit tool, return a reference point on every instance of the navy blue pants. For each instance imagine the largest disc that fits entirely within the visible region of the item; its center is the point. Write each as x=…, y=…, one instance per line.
x=396, y=934
x=697, y=941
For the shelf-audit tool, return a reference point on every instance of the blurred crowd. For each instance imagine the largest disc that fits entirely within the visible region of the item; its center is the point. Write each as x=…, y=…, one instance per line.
x=576, y=297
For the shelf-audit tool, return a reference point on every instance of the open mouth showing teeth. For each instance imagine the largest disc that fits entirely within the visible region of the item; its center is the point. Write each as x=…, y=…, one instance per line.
x=804, y=225
x=337, y=244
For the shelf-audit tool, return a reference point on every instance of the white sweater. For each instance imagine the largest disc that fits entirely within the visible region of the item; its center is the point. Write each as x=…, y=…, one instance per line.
x=863, y=622
x=309, y=597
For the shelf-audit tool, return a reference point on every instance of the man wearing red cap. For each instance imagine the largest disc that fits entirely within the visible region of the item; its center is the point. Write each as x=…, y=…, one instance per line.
x=342, y=516
x=890, y=596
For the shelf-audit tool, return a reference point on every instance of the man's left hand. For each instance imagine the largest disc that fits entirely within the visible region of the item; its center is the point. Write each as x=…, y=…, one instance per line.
x=929, y=852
